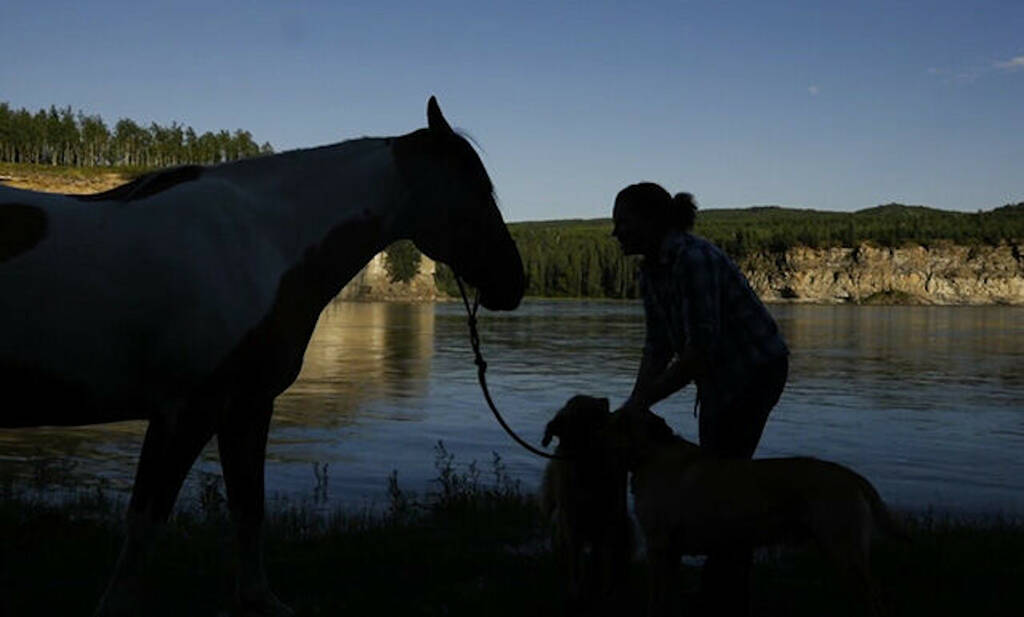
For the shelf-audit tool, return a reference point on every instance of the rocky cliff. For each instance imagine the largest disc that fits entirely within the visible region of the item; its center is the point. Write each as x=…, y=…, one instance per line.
x=909, y=275
x=374, y=283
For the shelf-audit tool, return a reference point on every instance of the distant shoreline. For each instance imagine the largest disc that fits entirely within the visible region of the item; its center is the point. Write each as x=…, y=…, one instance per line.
x=790, y=256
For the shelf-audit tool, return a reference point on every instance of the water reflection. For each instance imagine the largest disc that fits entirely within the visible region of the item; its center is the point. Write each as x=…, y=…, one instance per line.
x=909, y=357
x=928, y=402
x=360, y=351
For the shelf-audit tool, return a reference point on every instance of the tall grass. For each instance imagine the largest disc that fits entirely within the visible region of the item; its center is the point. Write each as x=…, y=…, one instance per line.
x=474, y=543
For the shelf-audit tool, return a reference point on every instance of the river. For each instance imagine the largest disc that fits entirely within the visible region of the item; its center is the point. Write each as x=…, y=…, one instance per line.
x=927, y=402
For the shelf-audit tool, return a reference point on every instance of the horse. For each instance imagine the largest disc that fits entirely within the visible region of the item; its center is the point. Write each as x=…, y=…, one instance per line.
x=187, y=298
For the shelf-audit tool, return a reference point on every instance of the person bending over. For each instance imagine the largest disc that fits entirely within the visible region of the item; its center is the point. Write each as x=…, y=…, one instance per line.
x=704, y=324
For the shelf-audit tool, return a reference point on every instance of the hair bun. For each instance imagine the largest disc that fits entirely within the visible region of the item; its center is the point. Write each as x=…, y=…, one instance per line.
x=684, y=211
x=684, y=199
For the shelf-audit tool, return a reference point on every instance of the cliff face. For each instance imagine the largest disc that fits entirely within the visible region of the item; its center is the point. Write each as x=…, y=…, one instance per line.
x=865, y=274
x=936, y=275
x=373, y=283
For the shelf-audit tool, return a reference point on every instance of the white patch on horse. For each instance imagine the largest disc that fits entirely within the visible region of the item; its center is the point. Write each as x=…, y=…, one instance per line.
x=141, y=301
x=188, y=298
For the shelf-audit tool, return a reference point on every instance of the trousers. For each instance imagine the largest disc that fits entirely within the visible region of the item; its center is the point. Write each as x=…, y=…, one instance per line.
x=733, y=430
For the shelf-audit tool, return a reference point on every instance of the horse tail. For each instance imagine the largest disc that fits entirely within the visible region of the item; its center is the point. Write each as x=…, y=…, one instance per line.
x=885, y=520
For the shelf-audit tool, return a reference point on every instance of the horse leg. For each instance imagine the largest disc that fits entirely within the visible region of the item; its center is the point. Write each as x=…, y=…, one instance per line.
x=172, y=443
x=242, y=440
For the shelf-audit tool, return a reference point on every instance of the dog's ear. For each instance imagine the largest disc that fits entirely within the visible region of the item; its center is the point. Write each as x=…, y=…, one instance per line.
x=553, y=429
x=605, y=405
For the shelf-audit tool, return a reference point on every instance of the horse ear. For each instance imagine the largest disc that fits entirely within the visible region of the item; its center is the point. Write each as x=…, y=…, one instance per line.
x=435, y=119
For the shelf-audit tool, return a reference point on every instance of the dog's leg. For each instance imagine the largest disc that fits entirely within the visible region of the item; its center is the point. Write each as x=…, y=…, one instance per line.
x=663, y=578
x=847, y=542
x=576, y=569
x=617, y=558
x=725, y=580
x=855, y=571
x=862, y=577
x=606, y=575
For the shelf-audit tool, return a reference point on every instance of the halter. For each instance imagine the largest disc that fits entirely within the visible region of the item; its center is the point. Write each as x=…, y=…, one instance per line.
x=481, y=369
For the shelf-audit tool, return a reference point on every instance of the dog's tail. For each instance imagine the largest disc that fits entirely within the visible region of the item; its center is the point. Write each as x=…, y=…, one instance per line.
x=886, y=521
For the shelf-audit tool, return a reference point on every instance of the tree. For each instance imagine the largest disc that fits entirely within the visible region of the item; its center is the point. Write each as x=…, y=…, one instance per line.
x=402, y=261
x=57, y=136
x=95, y=140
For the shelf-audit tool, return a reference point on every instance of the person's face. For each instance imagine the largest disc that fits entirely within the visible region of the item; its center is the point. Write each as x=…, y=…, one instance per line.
x=633, y=232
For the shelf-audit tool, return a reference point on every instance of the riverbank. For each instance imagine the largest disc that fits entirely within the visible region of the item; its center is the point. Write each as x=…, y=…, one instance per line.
x=472, y=546
x=943, y=274
x=71, y=180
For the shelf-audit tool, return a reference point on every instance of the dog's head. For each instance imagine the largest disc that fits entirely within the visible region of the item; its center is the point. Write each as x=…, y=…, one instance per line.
x=579, y=423
x=633, y=430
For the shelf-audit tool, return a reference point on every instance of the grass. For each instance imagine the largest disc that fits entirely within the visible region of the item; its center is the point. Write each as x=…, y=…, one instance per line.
x=55, y=179
x=61, y=171
x=475, y=545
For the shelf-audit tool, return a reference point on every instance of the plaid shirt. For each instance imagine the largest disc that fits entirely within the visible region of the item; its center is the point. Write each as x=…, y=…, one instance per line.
x=694, y=295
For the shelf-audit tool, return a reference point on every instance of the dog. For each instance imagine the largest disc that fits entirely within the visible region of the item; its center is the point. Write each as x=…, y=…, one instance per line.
x=688, y=502
x=583, y=494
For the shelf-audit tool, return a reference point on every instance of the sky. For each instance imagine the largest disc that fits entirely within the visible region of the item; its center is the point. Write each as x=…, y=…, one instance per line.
x=823, y=105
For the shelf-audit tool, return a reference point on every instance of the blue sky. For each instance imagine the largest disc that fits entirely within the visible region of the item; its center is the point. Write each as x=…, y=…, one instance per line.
x=822, y=105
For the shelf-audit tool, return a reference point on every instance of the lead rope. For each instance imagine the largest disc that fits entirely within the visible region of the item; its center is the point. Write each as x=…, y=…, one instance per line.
x=481, y=369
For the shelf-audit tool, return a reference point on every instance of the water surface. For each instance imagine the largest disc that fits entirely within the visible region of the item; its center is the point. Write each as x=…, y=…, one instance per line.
x=927, y=402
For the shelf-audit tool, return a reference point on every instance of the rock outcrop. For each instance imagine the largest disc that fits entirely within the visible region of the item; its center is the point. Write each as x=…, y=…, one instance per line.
x=935, y=275
x=374, y=283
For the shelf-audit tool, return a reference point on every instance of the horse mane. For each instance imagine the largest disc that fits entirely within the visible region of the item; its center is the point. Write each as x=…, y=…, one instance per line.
x=457, y=146
x=470, y=149
x=146, y=185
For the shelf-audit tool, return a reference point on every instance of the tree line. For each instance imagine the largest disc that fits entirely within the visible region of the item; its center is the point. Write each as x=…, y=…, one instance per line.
x=58, y=136
x=580, y=258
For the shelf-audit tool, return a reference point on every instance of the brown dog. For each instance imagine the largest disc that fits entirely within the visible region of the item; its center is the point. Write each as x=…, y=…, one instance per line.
x=584, y=495
x=688, y=502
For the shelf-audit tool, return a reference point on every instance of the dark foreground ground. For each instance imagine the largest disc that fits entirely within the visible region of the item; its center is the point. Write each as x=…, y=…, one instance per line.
x=476, y=546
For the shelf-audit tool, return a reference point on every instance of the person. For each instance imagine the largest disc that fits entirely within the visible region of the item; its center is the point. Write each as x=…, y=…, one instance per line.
x=704, y=324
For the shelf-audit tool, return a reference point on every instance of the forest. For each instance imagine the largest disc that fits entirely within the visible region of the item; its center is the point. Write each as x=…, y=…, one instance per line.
x=580, y=258
x=58, y=136
x=568, y=258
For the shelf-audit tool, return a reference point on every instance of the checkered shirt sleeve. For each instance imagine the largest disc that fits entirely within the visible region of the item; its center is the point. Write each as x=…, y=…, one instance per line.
x=700, y=299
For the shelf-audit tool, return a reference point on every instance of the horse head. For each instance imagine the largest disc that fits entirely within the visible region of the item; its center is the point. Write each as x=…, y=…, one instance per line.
x=456, y=220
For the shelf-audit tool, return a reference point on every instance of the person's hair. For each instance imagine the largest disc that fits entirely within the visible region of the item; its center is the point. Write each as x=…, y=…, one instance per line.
x=654, y=203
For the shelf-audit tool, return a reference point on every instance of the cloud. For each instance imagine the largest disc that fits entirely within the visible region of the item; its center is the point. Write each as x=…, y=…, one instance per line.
x=1013, y=64
x=813, y=90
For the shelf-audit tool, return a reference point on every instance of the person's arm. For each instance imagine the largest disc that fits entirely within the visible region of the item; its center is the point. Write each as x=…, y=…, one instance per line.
x=655, y=378
x=654, y=386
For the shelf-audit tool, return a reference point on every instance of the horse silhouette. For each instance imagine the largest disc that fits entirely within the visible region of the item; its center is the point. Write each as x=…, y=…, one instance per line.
x=188, y=296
